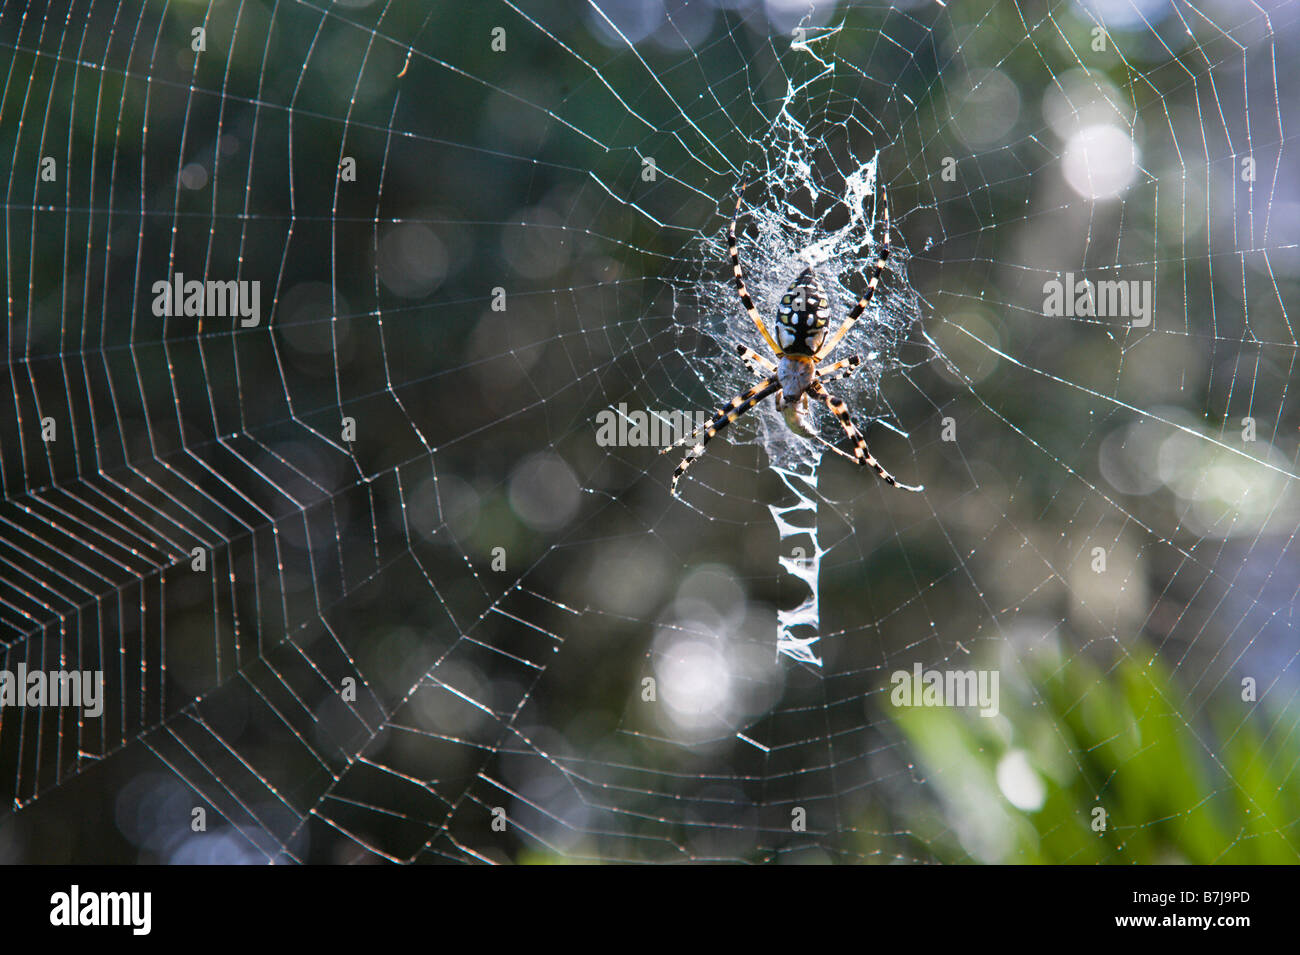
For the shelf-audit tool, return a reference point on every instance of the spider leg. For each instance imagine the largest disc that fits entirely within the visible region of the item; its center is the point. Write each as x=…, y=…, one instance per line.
x=863, y=456
x=841, y=369
x=754, y=361
x=808, y=429
x=734, y=409
x=745, y=300
x=731, y=406
x=831, y=447
x=684, y=439
x=862, y=302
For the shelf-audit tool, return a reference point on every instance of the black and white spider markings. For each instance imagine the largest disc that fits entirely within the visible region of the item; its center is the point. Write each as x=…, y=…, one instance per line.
x=800, y=346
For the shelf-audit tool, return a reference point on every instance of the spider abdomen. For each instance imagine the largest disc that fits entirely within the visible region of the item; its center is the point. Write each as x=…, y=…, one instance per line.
x=801, y=318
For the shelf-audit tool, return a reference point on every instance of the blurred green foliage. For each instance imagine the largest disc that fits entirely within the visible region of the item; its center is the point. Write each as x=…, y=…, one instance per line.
x=1176, y=785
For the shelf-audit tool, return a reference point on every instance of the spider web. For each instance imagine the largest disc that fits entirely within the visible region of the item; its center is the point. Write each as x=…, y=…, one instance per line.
x=437, y=620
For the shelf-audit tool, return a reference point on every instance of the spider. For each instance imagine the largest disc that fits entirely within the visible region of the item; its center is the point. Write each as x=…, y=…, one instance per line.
x=801, y=333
